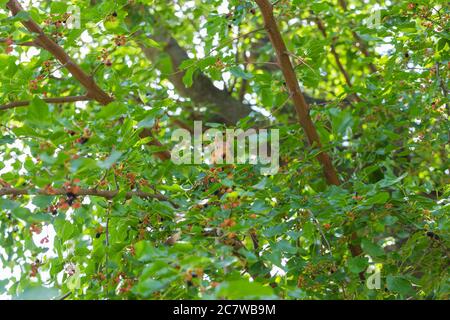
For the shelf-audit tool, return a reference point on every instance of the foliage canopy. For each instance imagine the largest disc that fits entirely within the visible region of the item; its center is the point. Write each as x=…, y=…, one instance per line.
x=92, y=206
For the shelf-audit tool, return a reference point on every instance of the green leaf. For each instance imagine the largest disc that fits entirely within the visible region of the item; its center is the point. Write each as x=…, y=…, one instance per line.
x=379, y=198
x=21, y=16
x=400, y=285
x=238, y=72
x=357, y=264
x=112, y=159
x=22, y=213
x=319, y=6
x=112, y=110
x=371, y=249
x=146, y=287
x=187, y=78
x=242, y=289
x=145, y=251
x=42, y=201
x=150, y=43
x=38, y=111
x=58, y=7
x=147, y=122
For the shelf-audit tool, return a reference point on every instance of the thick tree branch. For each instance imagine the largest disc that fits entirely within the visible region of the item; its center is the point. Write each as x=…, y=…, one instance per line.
x=202, y=90
x=300, y=103
x=298, y=99
x=48, y=100
x=58, y=52
x=84, y=192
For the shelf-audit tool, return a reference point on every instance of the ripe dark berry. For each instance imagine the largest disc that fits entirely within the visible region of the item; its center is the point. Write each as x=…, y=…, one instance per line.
x=433, y=235
x=82, y=140
x=71, y=197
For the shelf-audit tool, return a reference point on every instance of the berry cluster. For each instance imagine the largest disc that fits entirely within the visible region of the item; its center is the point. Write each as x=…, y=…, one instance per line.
x=9, y=42
x=105, y=59
x=85, y=137
x=71, y=196
x=70, y=200
x=35, y=228
x=57, y=22
x=33, y=85
x=193, y=274
x=35, y=268
x=120, y=40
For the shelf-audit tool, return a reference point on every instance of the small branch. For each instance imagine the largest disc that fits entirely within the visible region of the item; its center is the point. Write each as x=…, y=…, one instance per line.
x=225, y=43
x=336, y=56
x=321, y=233
x=24, y=44
x=255, y=240
x=84, y=192
x=344, y=72
x=361, y=44
x=68, y=99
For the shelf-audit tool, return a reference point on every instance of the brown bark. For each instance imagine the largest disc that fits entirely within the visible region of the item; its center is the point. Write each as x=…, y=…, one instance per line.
x=202, y=90
x=298, y=99
x=300, y=103
x=83, y=192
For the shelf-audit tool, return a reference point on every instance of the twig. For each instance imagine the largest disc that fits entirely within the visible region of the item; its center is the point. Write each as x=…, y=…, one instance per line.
x=68, y=99
x=64, y=296
x=321, y=232
x=108, y=194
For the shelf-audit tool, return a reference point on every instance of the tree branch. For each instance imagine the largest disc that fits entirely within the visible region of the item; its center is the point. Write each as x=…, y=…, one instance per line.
x=202, y=90
x=298, y=99
x=84, y=192
x=299, y=102
x=344, y=72
x=93, y=90
x=48, y=100
x=58, y=52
